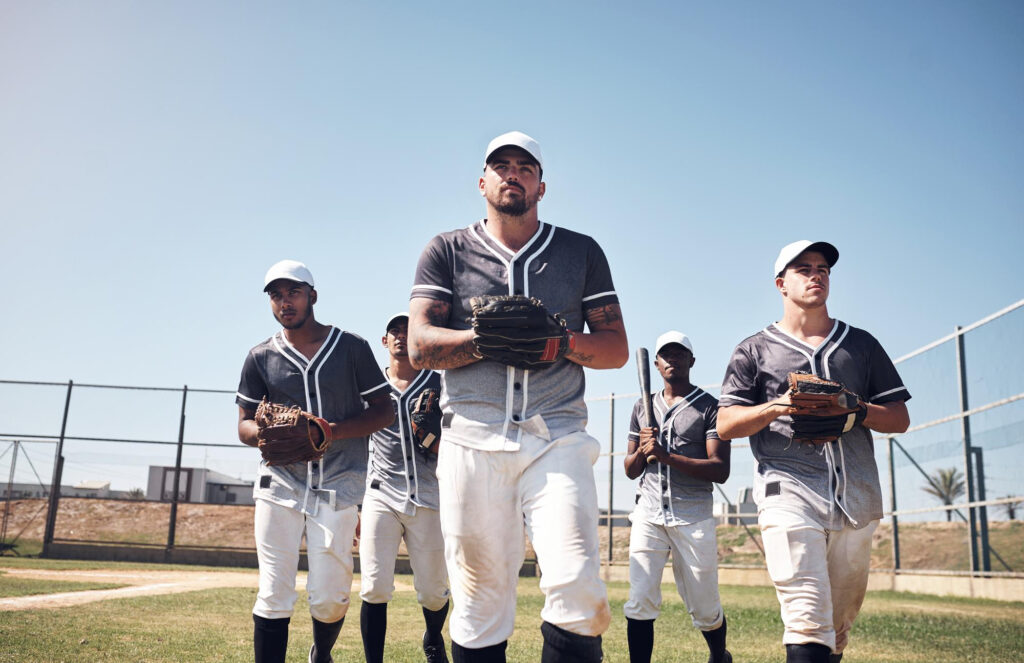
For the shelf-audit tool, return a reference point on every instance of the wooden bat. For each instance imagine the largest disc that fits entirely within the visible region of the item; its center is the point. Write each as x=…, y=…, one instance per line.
x=643, y=368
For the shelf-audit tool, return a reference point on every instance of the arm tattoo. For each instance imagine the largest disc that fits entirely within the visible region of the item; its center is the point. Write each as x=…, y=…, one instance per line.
x=437, y=352
x=602, y=316
x=438, y=313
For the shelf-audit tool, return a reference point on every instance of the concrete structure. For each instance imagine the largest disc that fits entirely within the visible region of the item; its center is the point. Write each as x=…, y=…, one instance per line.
x=197, y=485
x=742, y=512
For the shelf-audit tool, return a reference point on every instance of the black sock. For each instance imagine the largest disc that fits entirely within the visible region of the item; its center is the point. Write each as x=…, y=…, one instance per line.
x=835, y=658
x=640, y=638
x=811, y=652
x=373, y=623
x=492, y=654
x=561, y=646
x=716, y=641
x=270, y=639
x=435, y=622
x=324, y=636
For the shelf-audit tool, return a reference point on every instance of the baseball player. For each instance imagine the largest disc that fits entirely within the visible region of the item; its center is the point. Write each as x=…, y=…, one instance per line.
x=401, y=503
x=673, y=503
x=818, y=504
x=515, y=453
x=331, y=374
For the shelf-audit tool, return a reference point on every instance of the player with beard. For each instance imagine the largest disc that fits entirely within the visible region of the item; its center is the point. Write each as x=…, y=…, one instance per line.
x=516, y=453
x=333, y=375
x=677, y=462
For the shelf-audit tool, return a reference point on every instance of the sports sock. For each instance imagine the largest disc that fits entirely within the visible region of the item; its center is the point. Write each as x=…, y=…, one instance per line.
x=270, y=639
x=640, y=638
x=373, y=624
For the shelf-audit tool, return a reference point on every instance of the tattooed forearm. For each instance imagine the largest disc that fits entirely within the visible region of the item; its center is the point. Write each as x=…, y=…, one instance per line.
x=432, y=344
x=602, y=316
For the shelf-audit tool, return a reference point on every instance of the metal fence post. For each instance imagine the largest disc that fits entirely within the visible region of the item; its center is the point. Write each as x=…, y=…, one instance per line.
x=965, y=427
x=58, y=471
x=177, y=473
x=892, y=499
x=611, y=476
x=979, y=469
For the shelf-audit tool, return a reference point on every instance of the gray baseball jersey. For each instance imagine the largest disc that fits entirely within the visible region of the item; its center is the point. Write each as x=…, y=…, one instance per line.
x=334, y=384
x=666, y=496
x=828, y=481
x=564, y=269
x=401, y=473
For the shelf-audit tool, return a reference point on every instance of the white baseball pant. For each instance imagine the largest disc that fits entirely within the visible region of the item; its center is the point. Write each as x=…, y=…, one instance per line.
x=820, y=575
x=382, y=531
x=694, y=551
x=488, y=499
x=329, y=535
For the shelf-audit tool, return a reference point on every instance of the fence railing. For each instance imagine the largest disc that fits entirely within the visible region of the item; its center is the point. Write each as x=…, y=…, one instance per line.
x=976, y=436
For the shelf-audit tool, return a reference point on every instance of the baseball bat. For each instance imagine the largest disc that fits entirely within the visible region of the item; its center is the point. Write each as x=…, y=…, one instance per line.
x=643, y=367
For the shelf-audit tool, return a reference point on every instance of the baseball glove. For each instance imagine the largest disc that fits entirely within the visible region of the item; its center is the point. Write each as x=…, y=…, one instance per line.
x=425, y=415
x=518, y=331
x=290, y=435
x=822, y=410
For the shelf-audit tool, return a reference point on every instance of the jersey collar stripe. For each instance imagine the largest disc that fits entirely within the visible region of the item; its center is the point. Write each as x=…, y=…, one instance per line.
x=542, y=228
x=884, y=393
x=598, y=295
x=302, y=369
x=316, y=374
x=413, y=386
x=835, y=346
x=835, y=326
x=526, y=265
x=783, y=341
x=486, y=245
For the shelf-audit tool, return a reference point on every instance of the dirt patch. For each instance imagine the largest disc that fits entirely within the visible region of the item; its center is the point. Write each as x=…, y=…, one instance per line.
x=140, y=583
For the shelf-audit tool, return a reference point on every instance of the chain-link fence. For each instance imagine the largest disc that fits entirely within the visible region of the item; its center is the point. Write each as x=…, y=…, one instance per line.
x=136, y=444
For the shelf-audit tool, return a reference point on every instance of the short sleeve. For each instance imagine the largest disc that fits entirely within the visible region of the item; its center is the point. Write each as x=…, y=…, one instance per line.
x=251, y=386
x=599, y=289
x=369, y=378
x=634, y=422
x=740, y=384
x=433, y=278
x=711, y=421
x=884, y=382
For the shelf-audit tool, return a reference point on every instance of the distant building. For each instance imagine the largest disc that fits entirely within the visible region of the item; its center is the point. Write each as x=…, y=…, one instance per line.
x=197, y=485
x=95, y=488
x=742, y=512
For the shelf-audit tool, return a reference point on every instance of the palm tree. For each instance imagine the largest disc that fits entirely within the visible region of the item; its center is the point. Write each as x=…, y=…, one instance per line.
x=947, y=484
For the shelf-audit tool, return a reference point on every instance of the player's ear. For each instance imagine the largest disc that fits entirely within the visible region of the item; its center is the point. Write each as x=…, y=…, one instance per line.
x=541, y=190
x=779, y=284
x=312, y=296
x=384, y=340
x=480, y=185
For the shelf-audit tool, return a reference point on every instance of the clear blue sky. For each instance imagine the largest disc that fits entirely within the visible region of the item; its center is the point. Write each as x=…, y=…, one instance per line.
x=156, y=158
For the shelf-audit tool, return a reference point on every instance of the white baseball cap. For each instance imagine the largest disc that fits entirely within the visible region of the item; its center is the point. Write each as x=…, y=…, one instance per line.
x=293, y=270
x=515, y=139
x=671, y=337
x=790, y=251
x=395, y=318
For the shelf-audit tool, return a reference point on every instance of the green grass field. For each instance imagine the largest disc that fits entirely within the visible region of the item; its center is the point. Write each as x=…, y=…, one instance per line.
x=215, y=625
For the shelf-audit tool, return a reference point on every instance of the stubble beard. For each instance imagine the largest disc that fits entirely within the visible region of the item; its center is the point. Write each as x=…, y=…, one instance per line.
x=514, y=206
